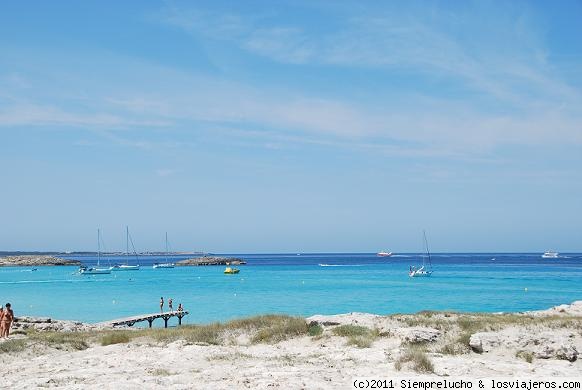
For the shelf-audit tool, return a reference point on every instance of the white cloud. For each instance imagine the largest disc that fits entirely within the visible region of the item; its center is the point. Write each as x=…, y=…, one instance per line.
x=43, y=114
x=533, y=106
x=502, y=62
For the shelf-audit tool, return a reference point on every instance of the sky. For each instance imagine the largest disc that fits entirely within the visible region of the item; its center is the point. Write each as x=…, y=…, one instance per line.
x=291, y=126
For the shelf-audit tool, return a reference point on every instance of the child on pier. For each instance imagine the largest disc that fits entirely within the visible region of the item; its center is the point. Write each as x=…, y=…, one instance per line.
x=161, y=304
x=170, y=305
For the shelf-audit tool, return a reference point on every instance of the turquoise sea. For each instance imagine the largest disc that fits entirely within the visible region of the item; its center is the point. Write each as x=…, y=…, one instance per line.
x=303, y=284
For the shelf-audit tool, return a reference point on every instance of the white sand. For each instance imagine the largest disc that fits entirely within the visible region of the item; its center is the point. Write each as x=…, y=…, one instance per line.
x=320, y=363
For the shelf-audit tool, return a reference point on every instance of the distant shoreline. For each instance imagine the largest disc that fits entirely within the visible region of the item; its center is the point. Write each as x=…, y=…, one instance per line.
x=84, y=253
x=44, y=260
x=36, y=261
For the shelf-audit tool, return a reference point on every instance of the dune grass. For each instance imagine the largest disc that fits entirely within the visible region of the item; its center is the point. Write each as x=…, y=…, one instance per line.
x=13, y=345
x=528, y=356
x=279, y=328
x=161, y=372
x=359, y=336
x=115, y=337
x=315, y=330
x=262, y=329
x=258, y=329
x=417, y=357
x=351, y=330
x=62, y=340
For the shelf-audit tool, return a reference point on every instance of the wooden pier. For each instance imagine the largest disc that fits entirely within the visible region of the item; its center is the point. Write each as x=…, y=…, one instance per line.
x=130, y=321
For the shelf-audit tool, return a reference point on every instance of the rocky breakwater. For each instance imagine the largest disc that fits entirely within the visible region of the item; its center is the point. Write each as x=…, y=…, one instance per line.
x=45, y=324
x=34, y=261
x=210, y=260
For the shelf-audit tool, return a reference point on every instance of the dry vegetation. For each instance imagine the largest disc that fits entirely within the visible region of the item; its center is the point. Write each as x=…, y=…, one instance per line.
x=359, y=336
x=417, y=358
x=456, y=330
x=259, y=329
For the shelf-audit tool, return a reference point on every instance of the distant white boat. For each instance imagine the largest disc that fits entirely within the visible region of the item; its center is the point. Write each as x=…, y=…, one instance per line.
x=125, y=267
x=384, y=254
x=550, y=255
x=96, y=270
x=426, y=268
x=166, y=264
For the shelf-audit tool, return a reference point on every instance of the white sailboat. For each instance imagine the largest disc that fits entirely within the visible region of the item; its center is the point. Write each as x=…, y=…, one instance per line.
x=166, y=264
x=126, y=266
x=426, y=269
x=96, y=270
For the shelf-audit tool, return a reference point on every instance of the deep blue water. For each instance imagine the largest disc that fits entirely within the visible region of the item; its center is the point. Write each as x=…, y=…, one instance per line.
x=301, y=285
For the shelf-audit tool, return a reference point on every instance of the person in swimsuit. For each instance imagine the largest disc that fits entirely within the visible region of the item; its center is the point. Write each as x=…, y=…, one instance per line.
x=180, y=308
x=170, y=305
x=162, y=304
x=7, y=319
x=1, y=323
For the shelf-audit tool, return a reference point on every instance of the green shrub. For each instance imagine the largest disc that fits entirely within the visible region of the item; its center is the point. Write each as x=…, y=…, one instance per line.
x=525, y=355
x=280, y=329
x=351, y=330
x=315, y=330
x=361, y=341
x=12, y=345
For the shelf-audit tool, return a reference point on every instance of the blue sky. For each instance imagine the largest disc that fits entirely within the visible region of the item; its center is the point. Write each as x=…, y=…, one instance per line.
x=291, y=126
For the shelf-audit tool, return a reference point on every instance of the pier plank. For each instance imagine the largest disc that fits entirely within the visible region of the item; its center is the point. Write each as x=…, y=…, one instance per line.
x=130, y=321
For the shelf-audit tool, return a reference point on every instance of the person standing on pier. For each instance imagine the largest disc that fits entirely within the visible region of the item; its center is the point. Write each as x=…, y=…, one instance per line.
x=161, y=304
x=170, y=302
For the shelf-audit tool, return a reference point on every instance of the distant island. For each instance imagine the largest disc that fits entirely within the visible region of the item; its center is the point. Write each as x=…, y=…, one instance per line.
x=211, y=260
x=35, y=260
x=91, y=253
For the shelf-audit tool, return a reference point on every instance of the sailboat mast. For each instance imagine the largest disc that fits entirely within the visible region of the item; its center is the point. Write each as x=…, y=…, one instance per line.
x=426, y=247
x=166, y=247
x=98, y=247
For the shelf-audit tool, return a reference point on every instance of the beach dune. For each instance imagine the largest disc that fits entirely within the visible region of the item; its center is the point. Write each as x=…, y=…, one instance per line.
x=320, y=352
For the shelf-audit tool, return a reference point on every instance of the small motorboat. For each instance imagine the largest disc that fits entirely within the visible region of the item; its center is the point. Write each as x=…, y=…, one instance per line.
x=384, y=254
x=231, y=270
x=164, y=265
x=550, y=255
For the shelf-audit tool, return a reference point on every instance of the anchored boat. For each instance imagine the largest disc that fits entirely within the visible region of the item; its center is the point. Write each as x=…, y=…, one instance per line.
x=96, y=270
x=231, y=270
x=166, y=264
x=550, y=255
x=384, y=254
x=426, y=268
x=126, y=266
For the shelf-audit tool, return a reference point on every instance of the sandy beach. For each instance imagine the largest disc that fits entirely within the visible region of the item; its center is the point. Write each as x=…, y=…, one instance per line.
x=330, y=351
